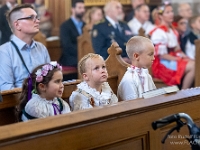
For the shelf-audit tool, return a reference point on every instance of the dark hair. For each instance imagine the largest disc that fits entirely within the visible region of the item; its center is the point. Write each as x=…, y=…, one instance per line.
x=139, y=6
x=17, y=8
x=177, y=18
x=76, y=1
x=161, y=7
x=24, y=94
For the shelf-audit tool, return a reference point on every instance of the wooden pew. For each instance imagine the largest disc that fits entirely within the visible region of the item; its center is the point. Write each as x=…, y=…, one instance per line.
x=84, y=44
x=40, y=38
x=126, y=125
x=54, y=49
x=197, y=61
x=7, y=106
x=11, y=97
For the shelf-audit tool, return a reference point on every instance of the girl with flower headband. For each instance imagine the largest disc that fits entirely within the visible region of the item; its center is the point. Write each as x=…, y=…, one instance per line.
x=94, y=90
x=41, y=93
x=171, y=65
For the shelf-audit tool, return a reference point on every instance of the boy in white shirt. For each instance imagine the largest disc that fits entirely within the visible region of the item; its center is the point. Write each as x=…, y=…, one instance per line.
x=137, y=79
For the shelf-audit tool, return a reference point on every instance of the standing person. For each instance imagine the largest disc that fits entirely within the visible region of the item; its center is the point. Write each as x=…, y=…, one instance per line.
x=69, y=31
x=171, y=64
x=4, y=27
x=22, y=54
x=141, y=20
x=137, y=79
x=134, y=4
x=94, y=90
x=93, y=16
x=41, y=93
x=110, y=30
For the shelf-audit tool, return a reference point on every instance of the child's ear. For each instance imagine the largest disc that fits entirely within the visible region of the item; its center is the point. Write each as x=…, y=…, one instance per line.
x=85, y=77
x=42, y=87
x=136, y=56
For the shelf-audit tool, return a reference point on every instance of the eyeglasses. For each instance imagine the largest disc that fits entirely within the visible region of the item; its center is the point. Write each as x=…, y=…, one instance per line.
x=183, y=23
x=32, y=17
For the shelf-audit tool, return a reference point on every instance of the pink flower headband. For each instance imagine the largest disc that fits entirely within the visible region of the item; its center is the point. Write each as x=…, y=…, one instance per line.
x=45, y=69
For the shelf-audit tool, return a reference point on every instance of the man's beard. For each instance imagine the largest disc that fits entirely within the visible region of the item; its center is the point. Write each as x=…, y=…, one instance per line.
x=79, y=16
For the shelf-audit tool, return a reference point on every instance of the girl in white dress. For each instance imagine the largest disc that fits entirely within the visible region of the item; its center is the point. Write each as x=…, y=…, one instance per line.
x=94, y=90
x=41, y=93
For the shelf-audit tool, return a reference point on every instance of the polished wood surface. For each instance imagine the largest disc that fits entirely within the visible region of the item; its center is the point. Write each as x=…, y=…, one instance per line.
x=84, y=44
x=125, y=125
x=54, y=49
x=197, y=61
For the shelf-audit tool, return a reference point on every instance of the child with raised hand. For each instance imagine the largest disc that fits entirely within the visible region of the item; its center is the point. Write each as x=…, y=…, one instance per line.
x=137, y=79
x=93, y=90
x=41, y=93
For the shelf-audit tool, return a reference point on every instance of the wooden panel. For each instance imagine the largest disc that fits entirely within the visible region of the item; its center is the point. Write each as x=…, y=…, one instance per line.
x=197, y=61
x=60, y=10
x=122, y=125
x=103, y=2
x=54, y=49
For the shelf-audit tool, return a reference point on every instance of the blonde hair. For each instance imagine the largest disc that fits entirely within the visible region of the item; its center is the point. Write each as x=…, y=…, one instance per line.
x=136, y=44
x=82, y=62
x=87, y=17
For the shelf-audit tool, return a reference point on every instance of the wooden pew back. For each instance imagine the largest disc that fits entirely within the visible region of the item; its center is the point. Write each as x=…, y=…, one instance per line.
x=197, y=61
x=122, y=126
x=54, y=49
x=116, y=66
x=7, y=106
x=84, y=44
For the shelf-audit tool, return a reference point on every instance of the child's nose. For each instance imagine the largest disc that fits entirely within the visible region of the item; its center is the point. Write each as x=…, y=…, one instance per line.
x=62, y=85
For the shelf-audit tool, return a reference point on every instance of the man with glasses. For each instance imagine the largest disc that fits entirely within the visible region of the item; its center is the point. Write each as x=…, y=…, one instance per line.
x=21, y=54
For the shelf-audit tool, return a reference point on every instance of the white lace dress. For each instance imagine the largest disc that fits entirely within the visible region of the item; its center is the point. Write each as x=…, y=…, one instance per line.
x=40, y=107
x=80, y=101
x=134, y=82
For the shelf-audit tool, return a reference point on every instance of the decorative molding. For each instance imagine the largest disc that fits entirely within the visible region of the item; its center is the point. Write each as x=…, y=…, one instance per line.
x=103, y=2
x=19, y=1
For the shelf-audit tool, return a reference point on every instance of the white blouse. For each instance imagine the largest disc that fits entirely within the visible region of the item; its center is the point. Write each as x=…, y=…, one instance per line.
x=134, y=82
x=40, y=107
x=165, y=40
x=79, y=101
x=190, y=50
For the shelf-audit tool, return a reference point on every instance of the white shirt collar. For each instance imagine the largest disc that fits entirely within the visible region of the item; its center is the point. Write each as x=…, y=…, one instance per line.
x=111, y=21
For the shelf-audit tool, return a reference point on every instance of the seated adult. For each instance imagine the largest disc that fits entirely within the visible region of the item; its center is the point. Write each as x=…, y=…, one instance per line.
x=134, y=4
x=180, y=25
x=141, y=20
x=69, y=31
x=185, y=11
x=170, y=65
x=110, y=30
x=93, y=16
x=4, y=27
x=22, y=54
